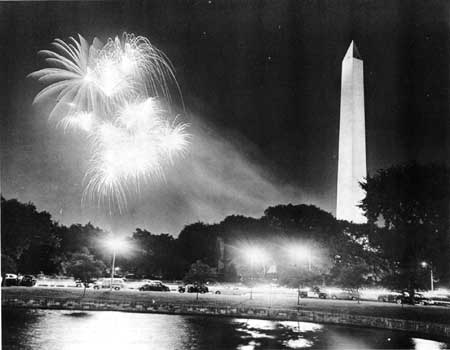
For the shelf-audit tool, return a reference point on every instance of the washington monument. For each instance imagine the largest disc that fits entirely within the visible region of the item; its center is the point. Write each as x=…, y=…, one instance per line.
x=352, y=139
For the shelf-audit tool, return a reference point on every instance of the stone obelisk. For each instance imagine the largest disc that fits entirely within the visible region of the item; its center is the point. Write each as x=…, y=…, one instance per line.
x=352, y=139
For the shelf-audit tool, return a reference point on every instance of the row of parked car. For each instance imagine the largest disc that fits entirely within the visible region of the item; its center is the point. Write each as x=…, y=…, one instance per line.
x=401, y=297
x=120, y=283
x=404, y=297
x=188, y=288
x=329, y=293
x=145, y=286
x=11, y=279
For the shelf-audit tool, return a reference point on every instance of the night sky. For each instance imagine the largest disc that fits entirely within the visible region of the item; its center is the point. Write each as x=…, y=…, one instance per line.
x=261, y=88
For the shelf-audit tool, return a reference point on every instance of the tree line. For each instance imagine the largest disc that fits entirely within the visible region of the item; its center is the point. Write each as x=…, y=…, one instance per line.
x=408, y=212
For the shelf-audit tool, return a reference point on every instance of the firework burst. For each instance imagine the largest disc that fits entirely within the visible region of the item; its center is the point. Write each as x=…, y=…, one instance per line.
x=115, y=93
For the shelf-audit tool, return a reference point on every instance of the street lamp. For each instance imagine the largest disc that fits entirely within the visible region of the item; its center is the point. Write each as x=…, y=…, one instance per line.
x=254, y=255
x=424, y=264
x=114, y=244
x=300, y=253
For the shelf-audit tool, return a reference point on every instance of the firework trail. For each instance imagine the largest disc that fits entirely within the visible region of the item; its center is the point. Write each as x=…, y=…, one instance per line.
x=116, y=94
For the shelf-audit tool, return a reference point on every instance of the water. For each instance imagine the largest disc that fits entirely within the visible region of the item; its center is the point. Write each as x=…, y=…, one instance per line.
x=55, y=330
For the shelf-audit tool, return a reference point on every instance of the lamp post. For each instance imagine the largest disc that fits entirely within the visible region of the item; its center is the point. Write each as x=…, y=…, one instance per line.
x=112, y=269
x=300, y=254
x=425, y=265
x=254, y=255
x=114, y=244
x=251, y=277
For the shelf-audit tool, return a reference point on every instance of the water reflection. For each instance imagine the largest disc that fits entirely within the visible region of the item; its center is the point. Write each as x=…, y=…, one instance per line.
x=78, y=314
x=52, y=329
x=425, y=344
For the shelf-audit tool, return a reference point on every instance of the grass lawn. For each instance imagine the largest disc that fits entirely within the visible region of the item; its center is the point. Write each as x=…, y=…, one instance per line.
x=436, y=314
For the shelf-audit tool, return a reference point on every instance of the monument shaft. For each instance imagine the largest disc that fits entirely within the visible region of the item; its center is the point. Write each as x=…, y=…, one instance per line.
x=352, y=139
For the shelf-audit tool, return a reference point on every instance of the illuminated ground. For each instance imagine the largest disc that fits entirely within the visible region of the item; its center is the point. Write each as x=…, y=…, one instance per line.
x=437, y=314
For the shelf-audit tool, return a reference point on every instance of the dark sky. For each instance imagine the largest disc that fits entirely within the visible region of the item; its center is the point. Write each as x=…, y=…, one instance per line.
x=261, y=85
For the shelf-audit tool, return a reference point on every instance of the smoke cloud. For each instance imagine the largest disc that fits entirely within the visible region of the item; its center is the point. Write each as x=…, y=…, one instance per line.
x=217, y=177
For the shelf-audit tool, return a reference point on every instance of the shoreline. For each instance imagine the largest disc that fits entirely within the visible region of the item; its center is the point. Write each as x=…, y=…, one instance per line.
x=207, y=305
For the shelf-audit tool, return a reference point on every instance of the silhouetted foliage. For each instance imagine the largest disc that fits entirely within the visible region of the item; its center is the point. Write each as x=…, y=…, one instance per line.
x=412, y=203
x=198, y=242
x=76, y=237
x=8, y=265
x=84, y=267
x=352, y=276
x=199, y=272
x=411, y=200
x=28, y=237
x=153, y=256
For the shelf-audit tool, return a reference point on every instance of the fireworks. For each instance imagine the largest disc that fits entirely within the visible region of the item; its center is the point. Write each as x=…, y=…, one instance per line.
x=115, y=93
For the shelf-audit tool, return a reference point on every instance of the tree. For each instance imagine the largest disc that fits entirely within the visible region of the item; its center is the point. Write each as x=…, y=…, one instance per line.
x=85, y=267
x=352, y=276
x=154, y=256
x=407, y=207
x=8, y=264
x=198, y=241
x=295, y=278
x=305, y=220
x=77, y=237
x=200, y=273
x=230, y=273
x=28, y=237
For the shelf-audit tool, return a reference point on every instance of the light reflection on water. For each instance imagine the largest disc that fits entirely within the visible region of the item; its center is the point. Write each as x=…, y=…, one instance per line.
x=54, y=330
x=425, y=344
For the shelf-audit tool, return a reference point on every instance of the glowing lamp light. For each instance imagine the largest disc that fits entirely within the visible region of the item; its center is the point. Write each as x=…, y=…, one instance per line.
x=299, y=252
x=255, y=255
x=424, y=264
x=115, y=244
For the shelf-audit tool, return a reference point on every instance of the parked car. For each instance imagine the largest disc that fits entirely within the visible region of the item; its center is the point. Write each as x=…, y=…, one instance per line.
x=193, y=288
x=308, y=292
x=214, y=287
x=441, y=300
x=154, y=286
x=81, y=284
x=27, y=281
x=10, y=279
x=390, y=297
x=405, y=298
x=117, y=284
x=342, y=294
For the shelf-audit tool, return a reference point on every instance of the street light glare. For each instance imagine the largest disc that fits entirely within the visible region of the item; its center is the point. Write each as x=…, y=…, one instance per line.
x=256, y=255
x=115, y=244
x=299, y=252
x=424, y=264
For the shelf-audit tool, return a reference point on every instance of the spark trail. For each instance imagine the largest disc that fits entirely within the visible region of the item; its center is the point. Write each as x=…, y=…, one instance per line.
x=117, y=94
